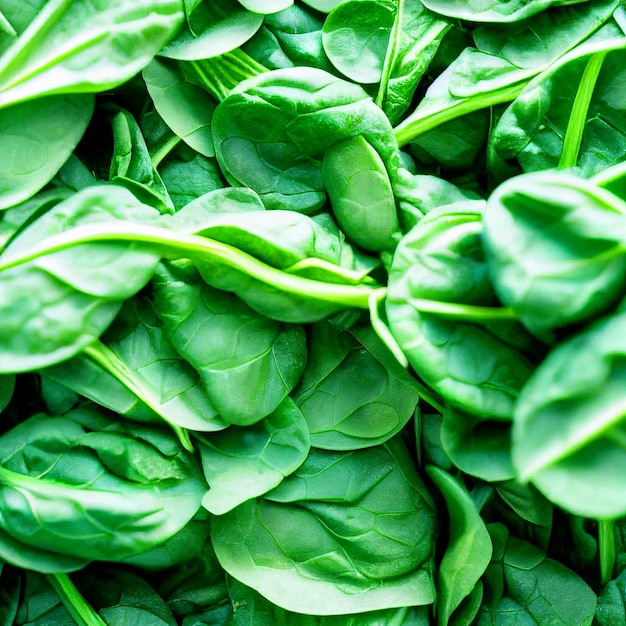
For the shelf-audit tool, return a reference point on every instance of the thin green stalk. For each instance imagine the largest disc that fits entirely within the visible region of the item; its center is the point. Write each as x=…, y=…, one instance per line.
x=175, y=245
x=464, y=312
x=107, y=359
x=412, y=128
x=390, y=56
x=6, y=27
x=376, y=298
x=606, y=543
x=44, y=20
x=219, y=75
x=580, y=109
x=164, y=150
x=80, y=610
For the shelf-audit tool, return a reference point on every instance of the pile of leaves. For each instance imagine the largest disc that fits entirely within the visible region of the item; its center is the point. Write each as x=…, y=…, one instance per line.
x=313, y=312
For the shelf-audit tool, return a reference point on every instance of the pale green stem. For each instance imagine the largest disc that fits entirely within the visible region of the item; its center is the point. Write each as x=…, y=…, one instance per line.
x=80, y=610
x=107, y=359
x=164, y=150
x=580, y=108
x=174, y=244
x=390, y=56
x=606, y=543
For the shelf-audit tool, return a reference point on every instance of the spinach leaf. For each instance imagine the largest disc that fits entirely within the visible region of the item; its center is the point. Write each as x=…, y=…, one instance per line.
x=71, y=494
x=544, y=131
x=479, y=78
x=274, y=119
x=290, y=37
x=443, y=314
x=36, y=138
x=262, y=6
x=252, y=609
x=477, y=446
x=353, y=393
x=212, y=28
x=243, y=463
x=611, y=609
x=356, y=36
x=347, y=532
x=138, y=373
x=490, y=11
x=131, y=165
x=188, y=177
x=569, y=420
x=554, y=248
x=418, y=34
x=469, y=548
x=186, y=108
x=248, y=363
x=361, y=194
x=123, y=597
x=76, y=301
x=52, y=56
x=526, y=586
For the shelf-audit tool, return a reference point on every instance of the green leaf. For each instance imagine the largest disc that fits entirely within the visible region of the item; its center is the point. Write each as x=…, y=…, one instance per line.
x=248, y=363
x=263, y=6
x=469, y=352
x=252, y=609
x=569, y=422
x=244, y=463
x=268, y=135
x=360, y=193
x=353, y=393
x=345, y=533
x=566, y=117
x=535, y=589
x=505, y=60
x=477, y=446
x=554, y=245
x=213, y=28
x=490, y=11
x=65, y=499
x=36, y=138
x=76, y=301
x=469, y=548
x=356, y=36
x=186, y=108
x=55, y=54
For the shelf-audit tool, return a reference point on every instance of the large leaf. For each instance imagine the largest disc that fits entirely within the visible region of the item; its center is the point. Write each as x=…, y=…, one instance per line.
x=569, y=422
x=56, y=53
x=36, y=138
x=347, y=532
x=83, y=487
x=555, y=249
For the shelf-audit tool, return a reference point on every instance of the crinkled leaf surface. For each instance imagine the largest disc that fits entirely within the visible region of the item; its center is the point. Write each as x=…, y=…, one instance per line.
x=67, y=490
x=554, y=246
x=244, y=463
x=353, y=393
x=247, y=362
x=347, y=532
